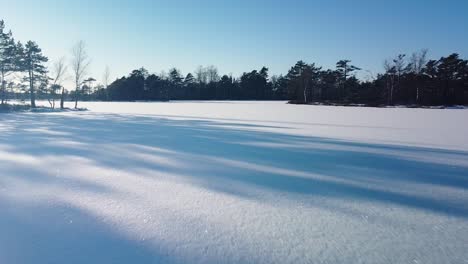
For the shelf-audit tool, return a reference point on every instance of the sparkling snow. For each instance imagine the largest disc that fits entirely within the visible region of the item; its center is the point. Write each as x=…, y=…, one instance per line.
x=234, y=182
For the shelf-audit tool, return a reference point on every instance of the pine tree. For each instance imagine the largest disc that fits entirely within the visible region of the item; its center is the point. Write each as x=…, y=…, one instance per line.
x=302, y=78
x=175, y=77
x=189, y=79
x=34, y=66
x=450, y=70
x=344, y=68
x=8, y=58
x=190, y=86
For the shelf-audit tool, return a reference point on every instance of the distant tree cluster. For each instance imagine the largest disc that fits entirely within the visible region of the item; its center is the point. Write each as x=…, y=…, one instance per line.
x=206, y=84
x=413, y=80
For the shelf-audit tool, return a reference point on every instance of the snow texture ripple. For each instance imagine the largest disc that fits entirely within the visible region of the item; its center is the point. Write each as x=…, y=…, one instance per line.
x=234, y=182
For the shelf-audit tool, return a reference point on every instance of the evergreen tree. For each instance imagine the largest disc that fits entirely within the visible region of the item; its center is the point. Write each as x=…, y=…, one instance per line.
x=34, y=66
x=302, y=78
x=8, y=58
x=190, y=86
x=279, y=87
x=225, y=87
x=451, y=72
x=176, y=80
x=344, y=68
x=254, y=84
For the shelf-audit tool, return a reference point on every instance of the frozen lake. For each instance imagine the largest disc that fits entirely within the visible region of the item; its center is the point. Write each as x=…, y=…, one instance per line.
x=234, y=182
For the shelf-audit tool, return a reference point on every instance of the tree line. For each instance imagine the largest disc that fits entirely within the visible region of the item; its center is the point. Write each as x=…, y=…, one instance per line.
x=408, y=80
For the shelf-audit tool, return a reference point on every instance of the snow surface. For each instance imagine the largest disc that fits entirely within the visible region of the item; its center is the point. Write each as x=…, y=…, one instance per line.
x=234, y=182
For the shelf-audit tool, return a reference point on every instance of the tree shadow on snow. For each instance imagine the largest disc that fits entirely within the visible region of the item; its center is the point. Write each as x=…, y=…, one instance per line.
x=35, y=233
x=229, y=157
x=235, y=152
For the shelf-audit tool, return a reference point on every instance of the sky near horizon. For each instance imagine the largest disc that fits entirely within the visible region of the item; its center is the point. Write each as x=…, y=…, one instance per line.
x=238, y=36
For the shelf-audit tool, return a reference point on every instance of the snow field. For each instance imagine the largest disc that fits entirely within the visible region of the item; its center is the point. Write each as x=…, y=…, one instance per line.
x=234, y=182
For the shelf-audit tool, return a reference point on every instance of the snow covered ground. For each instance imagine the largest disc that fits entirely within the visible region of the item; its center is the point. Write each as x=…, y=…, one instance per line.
x=234, y=182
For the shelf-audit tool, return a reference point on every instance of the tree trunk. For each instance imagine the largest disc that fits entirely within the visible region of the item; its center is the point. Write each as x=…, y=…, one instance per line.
x=417, y=95
x=391, y=88
x=305, y=95
x=3, y=92
x=344, y=83
x=417, y=88
x=391, y=91
x=306, y=88
x=76, y=97
x=31, y=89
x=62, y=98
x=3, y=87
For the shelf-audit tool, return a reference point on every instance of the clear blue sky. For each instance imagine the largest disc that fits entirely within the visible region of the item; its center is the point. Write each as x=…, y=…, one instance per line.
x=239, y=35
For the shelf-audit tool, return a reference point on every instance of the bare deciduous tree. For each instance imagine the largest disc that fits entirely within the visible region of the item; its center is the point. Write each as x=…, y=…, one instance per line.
x=201, y=75
x=416, y=65
x=212, y=73
x=59, y=71
x=106, y=77
x=80, y=64
x=417, y=61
